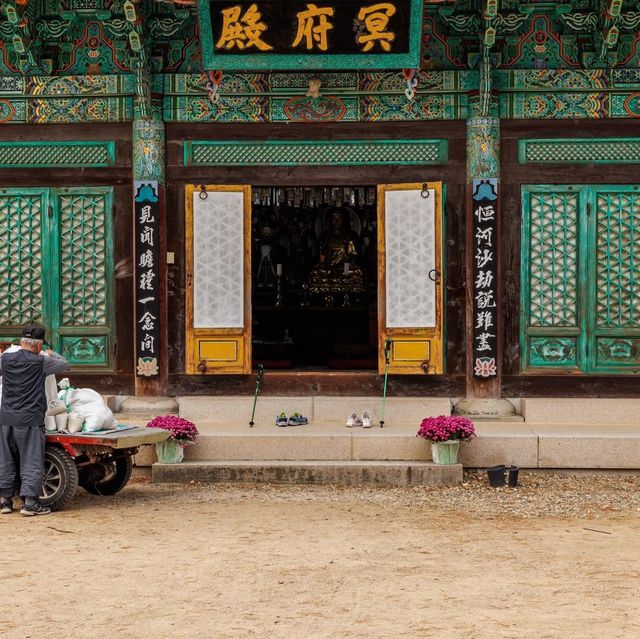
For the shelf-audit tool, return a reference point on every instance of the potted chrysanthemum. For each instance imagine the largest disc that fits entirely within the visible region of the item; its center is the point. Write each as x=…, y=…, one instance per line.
x=445, y=433
x=183, y=433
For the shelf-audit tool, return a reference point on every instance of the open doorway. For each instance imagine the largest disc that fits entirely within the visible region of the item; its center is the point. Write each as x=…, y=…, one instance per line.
x=314, y=277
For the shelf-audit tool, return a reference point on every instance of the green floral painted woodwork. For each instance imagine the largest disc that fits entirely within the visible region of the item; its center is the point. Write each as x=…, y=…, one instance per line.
x=21, y=255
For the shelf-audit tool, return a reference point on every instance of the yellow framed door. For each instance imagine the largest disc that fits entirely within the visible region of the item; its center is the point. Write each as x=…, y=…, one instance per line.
x=218, y=298
x=410, y=285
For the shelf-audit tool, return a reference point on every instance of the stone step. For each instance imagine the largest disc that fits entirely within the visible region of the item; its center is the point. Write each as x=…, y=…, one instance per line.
x=226, y=409
x=582, y=410
x=311, y=472
x=562, y=446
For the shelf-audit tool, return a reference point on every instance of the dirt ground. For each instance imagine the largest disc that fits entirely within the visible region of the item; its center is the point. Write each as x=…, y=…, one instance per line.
x=556, y=558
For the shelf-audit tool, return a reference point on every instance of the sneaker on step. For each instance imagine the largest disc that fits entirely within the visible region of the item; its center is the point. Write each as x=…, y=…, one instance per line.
x=281, y=419
x=353, y=421
x=366, y=419
x=296, y=419
x=6, y=506
x=31, y=510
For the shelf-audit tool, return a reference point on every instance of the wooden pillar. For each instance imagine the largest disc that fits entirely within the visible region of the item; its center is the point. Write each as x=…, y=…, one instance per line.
x=150, y=285
x=483, y=259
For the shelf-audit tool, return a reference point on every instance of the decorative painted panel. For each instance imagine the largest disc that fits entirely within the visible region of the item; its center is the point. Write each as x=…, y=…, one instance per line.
x=553, y=257
x=344, y=152
x=83, y=255
x=617, y=259
x=22, y=214
x=56, y=154
x=218, y=260
x=553, y=351
x=579, y=151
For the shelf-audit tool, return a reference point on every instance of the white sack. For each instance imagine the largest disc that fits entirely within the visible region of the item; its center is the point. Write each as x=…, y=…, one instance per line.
x=61, y=421
x=74, y=422
x=91, y=407
x=50, y=424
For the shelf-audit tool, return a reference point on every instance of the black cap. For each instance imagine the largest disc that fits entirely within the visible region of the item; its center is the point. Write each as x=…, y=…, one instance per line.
x=33, y=332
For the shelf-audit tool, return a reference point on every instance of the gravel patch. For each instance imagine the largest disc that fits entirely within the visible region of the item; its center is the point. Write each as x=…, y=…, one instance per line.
x=538, y=495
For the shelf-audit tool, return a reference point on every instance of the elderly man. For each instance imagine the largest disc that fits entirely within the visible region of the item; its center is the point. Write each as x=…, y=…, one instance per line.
x=22, y=413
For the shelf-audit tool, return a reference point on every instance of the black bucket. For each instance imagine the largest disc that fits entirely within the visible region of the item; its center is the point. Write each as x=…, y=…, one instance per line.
x=513, y=475
x=496, y=476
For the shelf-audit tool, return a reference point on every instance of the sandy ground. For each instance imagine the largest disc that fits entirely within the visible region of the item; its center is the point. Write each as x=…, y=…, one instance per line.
x=297, y=562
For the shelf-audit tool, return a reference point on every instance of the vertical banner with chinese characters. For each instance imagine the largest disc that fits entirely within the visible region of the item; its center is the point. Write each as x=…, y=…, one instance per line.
x=147, y=256
x=485, y=238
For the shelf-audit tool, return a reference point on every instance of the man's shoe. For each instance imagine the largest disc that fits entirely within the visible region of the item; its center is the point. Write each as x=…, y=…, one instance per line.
x=34, y=509
x=353, y=421
x=281, y=419
x=6, y=507
x=366, y=419
x=297, y=420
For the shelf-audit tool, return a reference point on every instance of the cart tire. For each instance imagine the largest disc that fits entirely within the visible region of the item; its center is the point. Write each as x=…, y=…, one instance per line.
x=60, y=478
x=117, y=475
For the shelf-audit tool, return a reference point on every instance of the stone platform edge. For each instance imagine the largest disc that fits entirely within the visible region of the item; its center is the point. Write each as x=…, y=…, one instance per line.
x=312, y=472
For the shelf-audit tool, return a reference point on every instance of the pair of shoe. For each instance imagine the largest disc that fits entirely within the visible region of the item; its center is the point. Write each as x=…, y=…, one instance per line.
x=354, y=421
x=29, y=510
x=295, y=419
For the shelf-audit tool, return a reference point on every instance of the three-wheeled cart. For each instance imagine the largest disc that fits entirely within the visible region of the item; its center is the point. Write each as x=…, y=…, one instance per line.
x=101, y=463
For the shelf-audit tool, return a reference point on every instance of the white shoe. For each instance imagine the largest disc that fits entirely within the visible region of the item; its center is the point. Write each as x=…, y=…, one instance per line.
x=366, y=419
x=353, y=421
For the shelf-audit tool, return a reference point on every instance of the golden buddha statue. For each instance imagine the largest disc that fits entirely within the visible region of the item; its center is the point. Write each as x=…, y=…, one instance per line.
x=337, y=271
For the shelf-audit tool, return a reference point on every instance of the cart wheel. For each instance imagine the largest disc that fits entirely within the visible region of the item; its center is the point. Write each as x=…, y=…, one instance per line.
x=107, y=478
x=60, y=478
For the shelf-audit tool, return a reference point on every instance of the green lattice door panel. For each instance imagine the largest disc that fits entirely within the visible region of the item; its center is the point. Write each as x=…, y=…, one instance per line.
x=56, y=269
x=22, y=215
x=615, y=292
x=580, y=278
x=83, y=244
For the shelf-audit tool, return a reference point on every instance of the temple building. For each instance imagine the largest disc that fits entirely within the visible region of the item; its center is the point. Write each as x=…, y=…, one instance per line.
x=446, y=191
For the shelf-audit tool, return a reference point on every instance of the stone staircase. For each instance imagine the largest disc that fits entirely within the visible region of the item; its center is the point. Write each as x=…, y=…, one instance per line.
x=551, y=434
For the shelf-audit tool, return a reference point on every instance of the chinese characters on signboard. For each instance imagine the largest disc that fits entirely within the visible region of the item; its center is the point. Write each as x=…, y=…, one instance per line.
x=295, y=34
x=485, y=334
x=147, y=282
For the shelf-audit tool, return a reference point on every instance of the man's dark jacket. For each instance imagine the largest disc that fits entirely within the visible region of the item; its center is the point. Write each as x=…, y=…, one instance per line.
x=24, y=402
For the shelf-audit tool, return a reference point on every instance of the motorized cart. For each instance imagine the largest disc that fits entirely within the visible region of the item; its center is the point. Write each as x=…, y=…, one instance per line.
x=100, y=462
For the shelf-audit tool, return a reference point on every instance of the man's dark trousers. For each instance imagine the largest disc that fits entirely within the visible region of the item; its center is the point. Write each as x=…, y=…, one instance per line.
x=24, y=443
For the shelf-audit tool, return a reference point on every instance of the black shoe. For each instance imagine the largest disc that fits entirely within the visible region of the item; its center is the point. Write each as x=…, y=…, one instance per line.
x=34, y=509
x=6, y=506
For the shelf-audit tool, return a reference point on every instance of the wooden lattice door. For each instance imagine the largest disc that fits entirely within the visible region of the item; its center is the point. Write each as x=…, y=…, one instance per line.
x=56, y=269
x=410, y=294
x=218, y=300
x=581, y=278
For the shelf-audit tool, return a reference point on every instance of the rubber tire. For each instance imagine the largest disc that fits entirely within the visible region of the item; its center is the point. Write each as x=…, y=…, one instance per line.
x=113, y=485
x=63, y=463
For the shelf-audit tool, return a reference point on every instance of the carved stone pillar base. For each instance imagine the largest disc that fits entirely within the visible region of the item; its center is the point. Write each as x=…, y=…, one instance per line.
x=486, y=409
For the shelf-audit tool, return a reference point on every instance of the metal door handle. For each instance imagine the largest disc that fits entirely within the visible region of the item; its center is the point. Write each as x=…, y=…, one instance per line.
x=434, y=275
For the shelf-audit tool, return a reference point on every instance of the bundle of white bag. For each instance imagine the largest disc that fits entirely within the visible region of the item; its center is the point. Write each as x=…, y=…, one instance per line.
x=85, y=409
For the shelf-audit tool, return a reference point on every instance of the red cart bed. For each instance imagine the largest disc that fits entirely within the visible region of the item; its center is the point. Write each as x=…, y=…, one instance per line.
x=99, y=462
